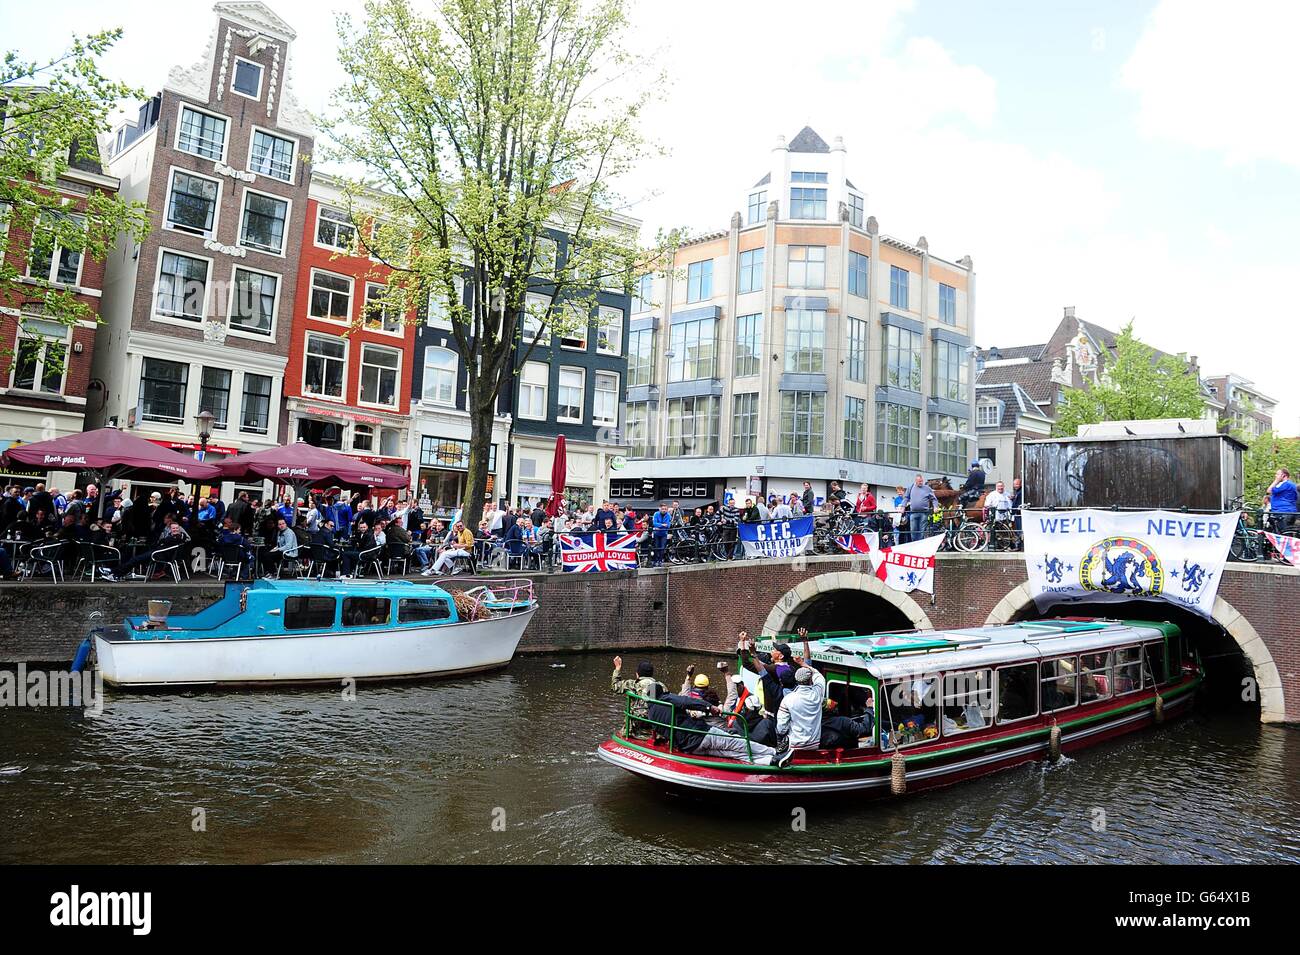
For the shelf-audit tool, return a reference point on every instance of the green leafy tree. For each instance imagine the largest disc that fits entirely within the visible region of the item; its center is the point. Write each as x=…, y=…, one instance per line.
x=1136, y=385
x=1266, y=454
x=53, y=110
x=467, y=138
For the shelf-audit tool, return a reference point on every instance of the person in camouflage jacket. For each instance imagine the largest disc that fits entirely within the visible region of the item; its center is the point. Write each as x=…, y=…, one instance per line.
x=643, y=685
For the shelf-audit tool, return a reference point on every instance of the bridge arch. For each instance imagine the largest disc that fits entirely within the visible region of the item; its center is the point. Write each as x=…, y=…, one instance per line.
x=1019, y=605
x=802, y=604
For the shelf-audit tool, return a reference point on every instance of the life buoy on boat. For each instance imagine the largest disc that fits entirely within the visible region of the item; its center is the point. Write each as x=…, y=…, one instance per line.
x=898, y=774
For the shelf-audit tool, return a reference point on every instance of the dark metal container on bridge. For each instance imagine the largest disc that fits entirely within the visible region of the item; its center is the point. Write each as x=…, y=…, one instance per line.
x=1134, y=465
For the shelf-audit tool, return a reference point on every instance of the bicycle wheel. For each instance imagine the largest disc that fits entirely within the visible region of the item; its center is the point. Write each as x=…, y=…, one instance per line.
x=1243, y=547
x=970, y=538
x=684, y=551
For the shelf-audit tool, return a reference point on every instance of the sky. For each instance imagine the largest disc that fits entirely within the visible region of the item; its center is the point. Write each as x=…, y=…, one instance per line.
x=1136, y=159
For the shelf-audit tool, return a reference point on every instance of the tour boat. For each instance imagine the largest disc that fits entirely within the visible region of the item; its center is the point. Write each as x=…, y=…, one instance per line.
x=294, y=631
x=948, y=706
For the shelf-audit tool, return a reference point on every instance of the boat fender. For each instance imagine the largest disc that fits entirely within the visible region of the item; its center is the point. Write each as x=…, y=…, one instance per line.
x=897, y=774
x=1160, y=708
x=83, y=654
x=1054, y=742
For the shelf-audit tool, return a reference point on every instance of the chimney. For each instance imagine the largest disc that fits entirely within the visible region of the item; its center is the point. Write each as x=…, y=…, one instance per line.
x=1069, y=311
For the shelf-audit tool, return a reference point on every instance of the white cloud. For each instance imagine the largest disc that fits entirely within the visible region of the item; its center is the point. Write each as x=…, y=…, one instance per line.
x=1220, y=78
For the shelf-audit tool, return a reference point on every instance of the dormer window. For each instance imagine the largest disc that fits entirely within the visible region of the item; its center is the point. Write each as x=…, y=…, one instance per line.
x=247, y=80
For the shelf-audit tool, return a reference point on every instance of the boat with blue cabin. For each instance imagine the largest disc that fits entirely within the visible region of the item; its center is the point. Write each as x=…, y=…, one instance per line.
x=296, y=631
x=933, y=708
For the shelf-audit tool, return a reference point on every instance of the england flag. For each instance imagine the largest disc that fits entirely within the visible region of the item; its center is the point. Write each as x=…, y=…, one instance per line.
x=588, y=553
x=908, y=566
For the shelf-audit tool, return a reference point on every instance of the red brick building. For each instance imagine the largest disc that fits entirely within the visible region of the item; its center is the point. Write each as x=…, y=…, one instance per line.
x=45, y=377
x=347, y=385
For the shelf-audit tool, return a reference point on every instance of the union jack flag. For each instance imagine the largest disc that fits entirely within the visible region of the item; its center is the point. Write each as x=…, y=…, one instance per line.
x=859, y=543
x=1287, y=547
x=587, y=553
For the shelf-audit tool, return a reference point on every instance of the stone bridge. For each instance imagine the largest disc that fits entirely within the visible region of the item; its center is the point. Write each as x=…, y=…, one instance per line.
x=1252, y=646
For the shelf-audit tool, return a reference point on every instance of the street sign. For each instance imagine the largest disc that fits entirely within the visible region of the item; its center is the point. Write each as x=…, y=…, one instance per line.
x=618, y=462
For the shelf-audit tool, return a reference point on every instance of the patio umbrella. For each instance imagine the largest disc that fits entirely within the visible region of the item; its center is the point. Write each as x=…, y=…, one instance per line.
x=111, y=454
x=559, y=471
x=303, y=466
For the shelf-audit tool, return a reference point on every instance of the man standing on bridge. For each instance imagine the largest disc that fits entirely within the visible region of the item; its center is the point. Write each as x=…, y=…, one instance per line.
x=918, y=502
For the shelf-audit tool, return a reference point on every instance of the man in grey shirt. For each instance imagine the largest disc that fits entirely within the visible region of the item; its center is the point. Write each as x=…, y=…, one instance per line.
x=918, y=502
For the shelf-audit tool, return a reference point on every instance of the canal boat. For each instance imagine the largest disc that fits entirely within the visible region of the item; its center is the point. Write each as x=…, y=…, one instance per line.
x=944, y=706
x=295, y=631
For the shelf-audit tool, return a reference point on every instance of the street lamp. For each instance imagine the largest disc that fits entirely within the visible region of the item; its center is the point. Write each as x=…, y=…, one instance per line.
x=204, y=421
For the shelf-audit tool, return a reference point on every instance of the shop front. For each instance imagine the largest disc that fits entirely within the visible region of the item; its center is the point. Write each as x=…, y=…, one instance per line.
x=587, y=471
x=443, y=474
x=364, y=434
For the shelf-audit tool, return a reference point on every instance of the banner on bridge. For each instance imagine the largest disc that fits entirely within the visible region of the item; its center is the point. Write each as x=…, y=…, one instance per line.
x=866, y=543
x=777, y=538
x=1287, y=547
x=909, y=566
x=589, y=553
x=1093, y=555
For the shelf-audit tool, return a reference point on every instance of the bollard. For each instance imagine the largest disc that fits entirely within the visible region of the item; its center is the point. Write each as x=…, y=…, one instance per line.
x=898, y=774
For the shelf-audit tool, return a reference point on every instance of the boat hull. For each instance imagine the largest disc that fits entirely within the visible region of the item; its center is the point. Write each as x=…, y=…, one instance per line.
x=871, y=776
x=408, y=652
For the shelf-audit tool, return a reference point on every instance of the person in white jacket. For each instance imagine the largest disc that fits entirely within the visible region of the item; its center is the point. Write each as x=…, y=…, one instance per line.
x=799, y=717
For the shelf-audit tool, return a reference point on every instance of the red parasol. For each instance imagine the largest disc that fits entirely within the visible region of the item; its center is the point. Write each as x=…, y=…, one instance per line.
x=304, y=465
x=559, y=472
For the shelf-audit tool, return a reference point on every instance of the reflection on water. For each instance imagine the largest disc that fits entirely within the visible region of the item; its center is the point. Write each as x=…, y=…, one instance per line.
x=419, y=772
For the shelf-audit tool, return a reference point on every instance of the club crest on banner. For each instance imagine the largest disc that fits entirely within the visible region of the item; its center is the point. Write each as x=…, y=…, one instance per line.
x=1122, y=565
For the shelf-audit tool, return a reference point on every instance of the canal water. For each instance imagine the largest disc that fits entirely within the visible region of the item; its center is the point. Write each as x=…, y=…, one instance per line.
x=500, y=769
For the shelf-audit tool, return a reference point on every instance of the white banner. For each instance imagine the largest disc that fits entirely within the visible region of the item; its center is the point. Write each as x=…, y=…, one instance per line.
x=910, y=566
x=1110, y=555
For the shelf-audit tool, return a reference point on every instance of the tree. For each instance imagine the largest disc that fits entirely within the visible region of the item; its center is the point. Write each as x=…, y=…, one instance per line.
x=1136, y=385
x=52, y=111
x=472, y=135
x=1265, y=455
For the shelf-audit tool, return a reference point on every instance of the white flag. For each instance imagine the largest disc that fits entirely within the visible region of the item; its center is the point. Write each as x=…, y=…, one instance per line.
x=908, y=566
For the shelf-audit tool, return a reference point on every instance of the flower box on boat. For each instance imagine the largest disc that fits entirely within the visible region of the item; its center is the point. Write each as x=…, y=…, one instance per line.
x=296, y=631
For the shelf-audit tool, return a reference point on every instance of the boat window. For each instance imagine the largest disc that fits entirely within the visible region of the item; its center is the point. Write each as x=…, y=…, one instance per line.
x=365, y=611
x=851, y=700
x=1060, y=682
x=1153, y=662
x=911, y=713
x=1177, y=654
x=967, y=701
x=308, y=613
x=1017, y=692
x=420, y=609
x=1094, y=677
x=1128, y=670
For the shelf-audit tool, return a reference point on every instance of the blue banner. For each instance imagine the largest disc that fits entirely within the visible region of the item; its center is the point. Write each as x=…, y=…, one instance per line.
x=777, y=538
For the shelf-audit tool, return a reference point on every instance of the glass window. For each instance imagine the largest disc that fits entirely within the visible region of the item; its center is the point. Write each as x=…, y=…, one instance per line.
x=323, y=370
x=440, y=365
x=947, y=304
x=379, y=368
x=808, y=176
x=1094, y=677
x=264, y=222
x=546, y=254
x=807, y=266
x=579, y=321
x=365, y=611
x=604, y=409
x=438, y=315
x=902, y=358
x=744, y=424
x=692, y=427
x=757, y=207
x=951, y=372
x=859, y=273
x=41, y=357
x=247, y=78
x=807, y=203
x=334, y=229
x=569, y=394
x=363, y=437
x=257, y=403
x=192, y=205
x=377, y=316
x=331, y=297
x=1128, y=670
x=182, y=286
x=912, y=712
x=162, y=390
x=643, y=294
x=699, y=281
x=751, y=271
x=856, y=364
x=422, y=609
x=1017, y=692
x=967, y=701
x=803, y=422
x=855, y=428
x=898, y=435
x=748, y=334
x=321, y=434
x=214, y=395
x=272, y=156
x=609, y=331
x=693, y=350
x=640, y=357
x=201, y=134
x=252, y=302
x=308, y=613
x=898, y=286
x=805, y=341
x=857, y=211
x=949, y=451
x=533, y=379
x=49, y=261
x=640, y=429
x=438, y=452
x=986, y=416
x=1060, y=682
